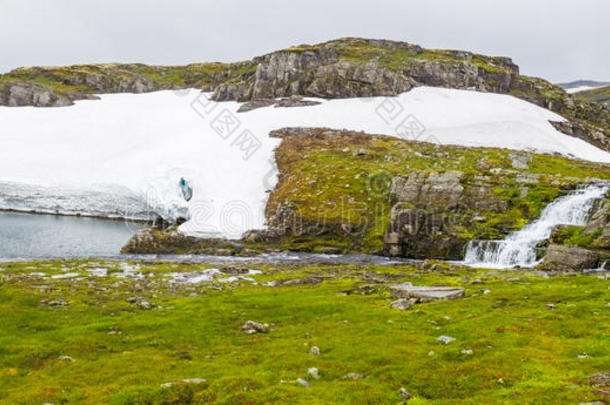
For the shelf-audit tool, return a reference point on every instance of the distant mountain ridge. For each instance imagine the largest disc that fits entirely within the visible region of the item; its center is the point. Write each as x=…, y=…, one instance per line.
x=342, y=68
x=582, y=83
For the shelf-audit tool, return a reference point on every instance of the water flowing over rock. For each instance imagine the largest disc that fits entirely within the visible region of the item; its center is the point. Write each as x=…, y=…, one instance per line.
x=519, y=248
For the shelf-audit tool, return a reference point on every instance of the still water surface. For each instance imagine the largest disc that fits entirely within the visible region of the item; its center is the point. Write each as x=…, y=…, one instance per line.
x=37, y=236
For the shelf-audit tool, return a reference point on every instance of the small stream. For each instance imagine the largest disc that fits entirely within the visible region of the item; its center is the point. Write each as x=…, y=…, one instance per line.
x=519, y=248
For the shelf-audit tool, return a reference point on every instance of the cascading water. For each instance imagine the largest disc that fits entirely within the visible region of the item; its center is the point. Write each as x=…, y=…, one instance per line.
x=519, y=248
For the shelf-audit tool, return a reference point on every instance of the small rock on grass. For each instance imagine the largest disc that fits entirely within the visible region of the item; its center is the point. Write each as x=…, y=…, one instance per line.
x=184, y=381
x=66, y=358
x=54, y=303
x=600, y=379
x=303, y=382
x=445, y=339
x=251, y=327
x=403, y=393
x=313, y=373
x=141, y=302
x=353, y=376
x=315, y=350
x=403, y=304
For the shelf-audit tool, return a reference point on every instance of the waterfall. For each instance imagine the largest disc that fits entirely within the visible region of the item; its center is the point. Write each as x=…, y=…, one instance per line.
x=519, y=248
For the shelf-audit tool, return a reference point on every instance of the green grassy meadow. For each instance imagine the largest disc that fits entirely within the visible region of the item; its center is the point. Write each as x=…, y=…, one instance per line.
x=88, y=338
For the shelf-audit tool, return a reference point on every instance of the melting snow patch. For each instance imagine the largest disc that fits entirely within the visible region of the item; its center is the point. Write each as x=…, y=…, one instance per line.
x=127, y=144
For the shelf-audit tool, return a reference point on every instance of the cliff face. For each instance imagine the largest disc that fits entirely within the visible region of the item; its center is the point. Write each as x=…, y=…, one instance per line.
x=360, y=68
x=343, y=68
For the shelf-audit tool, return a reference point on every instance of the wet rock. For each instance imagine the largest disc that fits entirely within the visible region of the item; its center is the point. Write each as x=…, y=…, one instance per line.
x=423, y=294
x=251, y=327
x=560, y=258
x=260, y=235
x=160, y=224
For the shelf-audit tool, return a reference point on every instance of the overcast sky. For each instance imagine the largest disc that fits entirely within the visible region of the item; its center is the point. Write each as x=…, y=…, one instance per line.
x=560, y=40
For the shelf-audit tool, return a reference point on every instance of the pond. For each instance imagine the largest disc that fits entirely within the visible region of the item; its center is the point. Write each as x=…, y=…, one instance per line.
x=28, y=236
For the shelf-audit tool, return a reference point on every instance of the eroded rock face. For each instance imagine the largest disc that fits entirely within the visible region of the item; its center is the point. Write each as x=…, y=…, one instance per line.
x=560, y=258
x=429, y=190
x=20, y=93
x=428, y=207
x=321, y=71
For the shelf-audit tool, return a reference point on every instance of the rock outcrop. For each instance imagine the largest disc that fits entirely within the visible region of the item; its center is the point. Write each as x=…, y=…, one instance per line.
x=423, y=294
x=581, y=247
x=346, y=191
x=427, y=208
x=569, y=258
x=347, y=67
x=22, y=93
x=336, y=69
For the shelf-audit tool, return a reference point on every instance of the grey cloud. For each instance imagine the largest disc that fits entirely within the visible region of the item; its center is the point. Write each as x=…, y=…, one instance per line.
x=559, y=40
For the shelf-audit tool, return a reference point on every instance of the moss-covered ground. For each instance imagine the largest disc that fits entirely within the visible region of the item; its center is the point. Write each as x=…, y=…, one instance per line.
x=345, y=178
x=102, y=346
x=76, y=78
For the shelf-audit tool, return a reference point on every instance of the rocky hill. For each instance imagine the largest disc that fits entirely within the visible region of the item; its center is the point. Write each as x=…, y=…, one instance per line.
x=348, y=67
x=344, y=191
x=600, y=95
